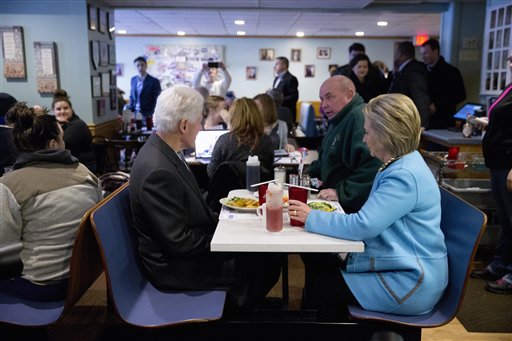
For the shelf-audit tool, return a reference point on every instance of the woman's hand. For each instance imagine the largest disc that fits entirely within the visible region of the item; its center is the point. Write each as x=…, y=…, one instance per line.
x=289, y=148
x=328, y=194
x=298, y=210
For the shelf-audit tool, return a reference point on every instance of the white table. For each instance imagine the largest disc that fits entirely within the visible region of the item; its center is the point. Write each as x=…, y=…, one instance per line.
x=247, y=234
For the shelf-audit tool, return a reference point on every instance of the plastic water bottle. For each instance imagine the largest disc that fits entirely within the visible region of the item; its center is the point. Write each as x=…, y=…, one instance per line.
x=252, y=173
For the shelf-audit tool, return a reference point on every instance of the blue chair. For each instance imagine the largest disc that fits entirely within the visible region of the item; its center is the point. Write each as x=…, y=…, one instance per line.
x=463, y=226
x=133, y=298
x=307, y=119
x=85, y=268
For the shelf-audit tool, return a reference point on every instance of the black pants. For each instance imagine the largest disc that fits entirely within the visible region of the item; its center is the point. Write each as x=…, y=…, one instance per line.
x=325, y=288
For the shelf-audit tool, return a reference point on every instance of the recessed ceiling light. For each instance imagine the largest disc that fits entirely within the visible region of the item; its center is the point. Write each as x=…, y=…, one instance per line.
x=121, y=31
x=300, y=34
x=359, y=33
x=180, y=33
x=240, y=33
x=239, y=22
x=382, y=23
x=112, y=29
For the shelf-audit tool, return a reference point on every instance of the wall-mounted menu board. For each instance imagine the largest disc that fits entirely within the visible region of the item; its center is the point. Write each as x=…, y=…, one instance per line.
x=13, y=52
x=46, y=67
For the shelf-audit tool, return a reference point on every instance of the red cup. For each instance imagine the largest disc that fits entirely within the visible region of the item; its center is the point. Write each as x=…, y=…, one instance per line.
x=149, y=122
x=453, y=153
x=262, y=193
x=300, y=194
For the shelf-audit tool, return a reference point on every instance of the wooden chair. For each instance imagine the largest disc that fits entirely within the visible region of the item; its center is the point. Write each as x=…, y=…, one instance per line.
x=114, y=147
x=463, y=226
x=133, y=298
x=85, y=268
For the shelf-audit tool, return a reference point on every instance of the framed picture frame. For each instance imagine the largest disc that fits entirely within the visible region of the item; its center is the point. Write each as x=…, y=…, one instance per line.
x=267, y=54
x=103, y=53
x=13, y=52
x=112, y=54
x=95, y=53
x=119, y=69
x=105, y=83
x=250, y=72
x=96, y=86
x=100, y=107
x=309, y=70
x=113, y=78
x=92, y=16
x=296, y=55
x=102, y=21
x=323, y=53
x=47, y=72
x=113, y=99
x=333, y=68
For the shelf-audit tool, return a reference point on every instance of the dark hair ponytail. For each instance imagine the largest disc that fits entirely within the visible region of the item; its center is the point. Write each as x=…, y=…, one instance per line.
x=32, y=130
x=60, y=95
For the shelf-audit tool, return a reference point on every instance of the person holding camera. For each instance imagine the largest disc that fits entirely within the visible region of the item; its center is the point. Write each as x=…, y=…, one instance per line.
x=208, y=77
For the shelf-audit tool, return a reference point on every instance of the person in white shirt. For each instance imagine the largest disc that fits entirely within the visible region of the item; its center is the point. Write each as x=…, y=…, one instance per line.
x=208, y=77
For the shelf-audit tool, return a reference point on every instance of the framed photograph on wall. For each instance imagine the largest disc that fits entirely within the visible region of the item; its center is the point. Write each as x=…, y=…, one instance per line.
x=47, y=72
x=102, y=21
x=13, y=52
x=309, y=70
x=323, y=53
x=112, y=54
x=296, y=55
x=92, y=15
x=96, y=86
x=113, y=78
x=95, y=54
x=105, y=83
x=103, y=53
x=120, y=69
x=267, y=54
x=113, y=99
x=250, y=72
x=101, y=107
x=333, y=68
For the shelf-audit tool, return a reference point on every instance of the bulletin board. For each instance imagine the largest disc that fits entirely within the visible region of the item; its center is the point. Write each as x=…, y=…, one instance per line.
x=178, y=64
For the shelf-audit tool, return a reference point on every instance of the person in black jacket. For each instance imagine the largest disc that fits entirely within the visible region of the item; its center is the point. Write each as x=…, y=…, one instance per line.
x=497, y=148
x=8, y=151
x=77, y=136
x=410, y=79
x=446, y=87
x=287, y=84
x=368, y=83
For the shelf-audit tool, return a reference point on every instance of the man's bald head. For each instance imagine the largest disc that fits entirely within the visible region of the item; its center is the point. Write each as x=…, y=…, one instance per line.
x=335, y=93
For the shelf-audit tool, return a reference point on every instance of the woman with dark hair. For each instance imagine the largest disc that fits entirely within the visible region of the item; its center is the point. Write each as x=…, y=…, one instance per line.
x=246, y=137
x=368, y=82
x=77, y=136
x=42, y=201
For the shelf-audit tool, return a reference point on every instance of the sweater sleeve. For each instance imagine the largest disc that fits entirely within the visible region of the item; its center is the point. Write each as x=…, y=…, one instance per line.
x=10, y=216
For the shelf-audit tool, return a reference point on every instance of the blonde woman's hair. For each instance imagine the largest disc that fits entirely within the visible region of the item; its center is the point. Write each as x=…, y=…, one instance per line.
x=211, y=102
x=395, y=121
x=268, y=108
x=246, y=122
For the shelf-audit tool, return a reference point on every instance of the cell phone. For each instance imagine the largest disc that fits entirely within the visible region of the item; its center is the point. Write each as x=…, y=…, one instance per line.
x=213, y=64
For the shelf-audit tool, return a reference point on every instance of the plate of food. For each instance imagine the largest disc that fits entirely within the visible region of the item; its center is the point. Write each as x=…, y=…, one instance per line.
x=241, y=203
x=321, y=206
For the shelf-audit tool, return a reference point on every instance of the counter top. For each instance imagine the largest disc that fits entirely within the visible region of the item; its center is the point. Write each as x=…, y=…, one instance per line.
x=447, y=137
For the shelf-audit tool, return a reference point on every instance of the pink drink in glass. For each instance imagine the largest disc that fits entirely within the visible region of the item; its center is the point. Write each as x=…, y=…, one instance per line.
x=274, y=218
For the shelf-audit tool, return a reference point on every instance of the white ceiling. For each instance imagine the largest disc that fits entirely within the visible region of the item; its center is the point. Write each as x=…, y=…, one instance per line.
x=327, y=18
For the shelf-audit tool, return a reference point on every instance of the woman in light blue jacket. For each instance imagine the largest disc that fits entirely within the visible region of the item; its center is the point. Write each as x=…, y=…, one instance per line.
x=404, y=268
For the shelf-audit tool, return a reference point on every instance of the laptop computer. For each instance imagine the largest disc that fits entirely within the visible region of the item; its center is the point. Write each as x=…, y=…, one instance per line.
x=468, y=108
x=205, y=141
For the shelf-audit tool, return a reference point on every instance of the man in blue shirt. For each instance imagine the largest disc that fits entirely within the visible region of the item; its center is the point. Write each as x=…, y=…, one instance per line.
x=144, y=91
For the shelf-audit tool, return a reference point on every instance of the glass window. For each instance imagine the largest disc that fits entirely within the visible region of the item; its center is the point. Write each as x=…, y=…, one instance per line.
x=493, y=19
x=506, y=37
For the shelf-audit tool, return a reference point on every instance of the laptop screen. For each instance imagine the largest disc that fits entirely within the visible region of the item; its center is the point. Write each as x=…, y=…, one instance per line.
x=468, y=108
x=205, y=141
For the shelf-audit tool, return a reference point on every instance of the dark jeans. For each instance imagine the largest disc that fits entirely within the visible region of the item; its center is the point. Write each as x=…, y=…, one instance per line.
x=325, y=288
x=502, y=260
x=22, y=288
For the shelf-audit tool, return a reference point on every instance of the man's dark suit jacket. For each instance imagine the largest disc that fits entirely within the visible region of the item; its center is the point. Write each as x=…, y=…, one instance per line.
x=173, y=223
x=289, y=86
x=150, y=91
x=412, y=82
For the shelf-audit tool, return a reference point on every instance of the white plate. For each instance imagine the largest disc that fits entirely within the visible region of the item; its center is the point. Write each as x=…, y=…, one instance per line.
x=224, y=201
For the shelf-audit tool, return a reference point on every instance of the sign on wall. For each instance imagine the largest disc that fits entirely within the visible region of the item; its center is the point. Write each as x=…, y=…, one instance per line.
x=178, y=64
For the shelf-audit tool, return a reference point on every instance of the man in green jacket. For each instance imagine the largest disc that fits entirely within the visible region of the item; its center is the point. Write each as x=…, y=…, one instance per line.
x=344, y=167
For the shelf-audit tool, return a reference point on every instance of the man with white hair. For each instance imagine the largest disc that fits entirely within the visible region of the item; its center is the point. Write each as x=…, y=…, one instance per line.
x=174, y=224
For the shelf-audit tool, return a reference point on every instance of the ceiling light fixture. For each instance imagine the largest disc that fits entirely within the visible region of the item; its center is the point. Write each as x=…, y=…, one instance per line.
x=239, y=22
x=180, y=33
x=382, y=23
x=300, y=34
x=359, y=33
x=240, y=33
x=121, y=31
